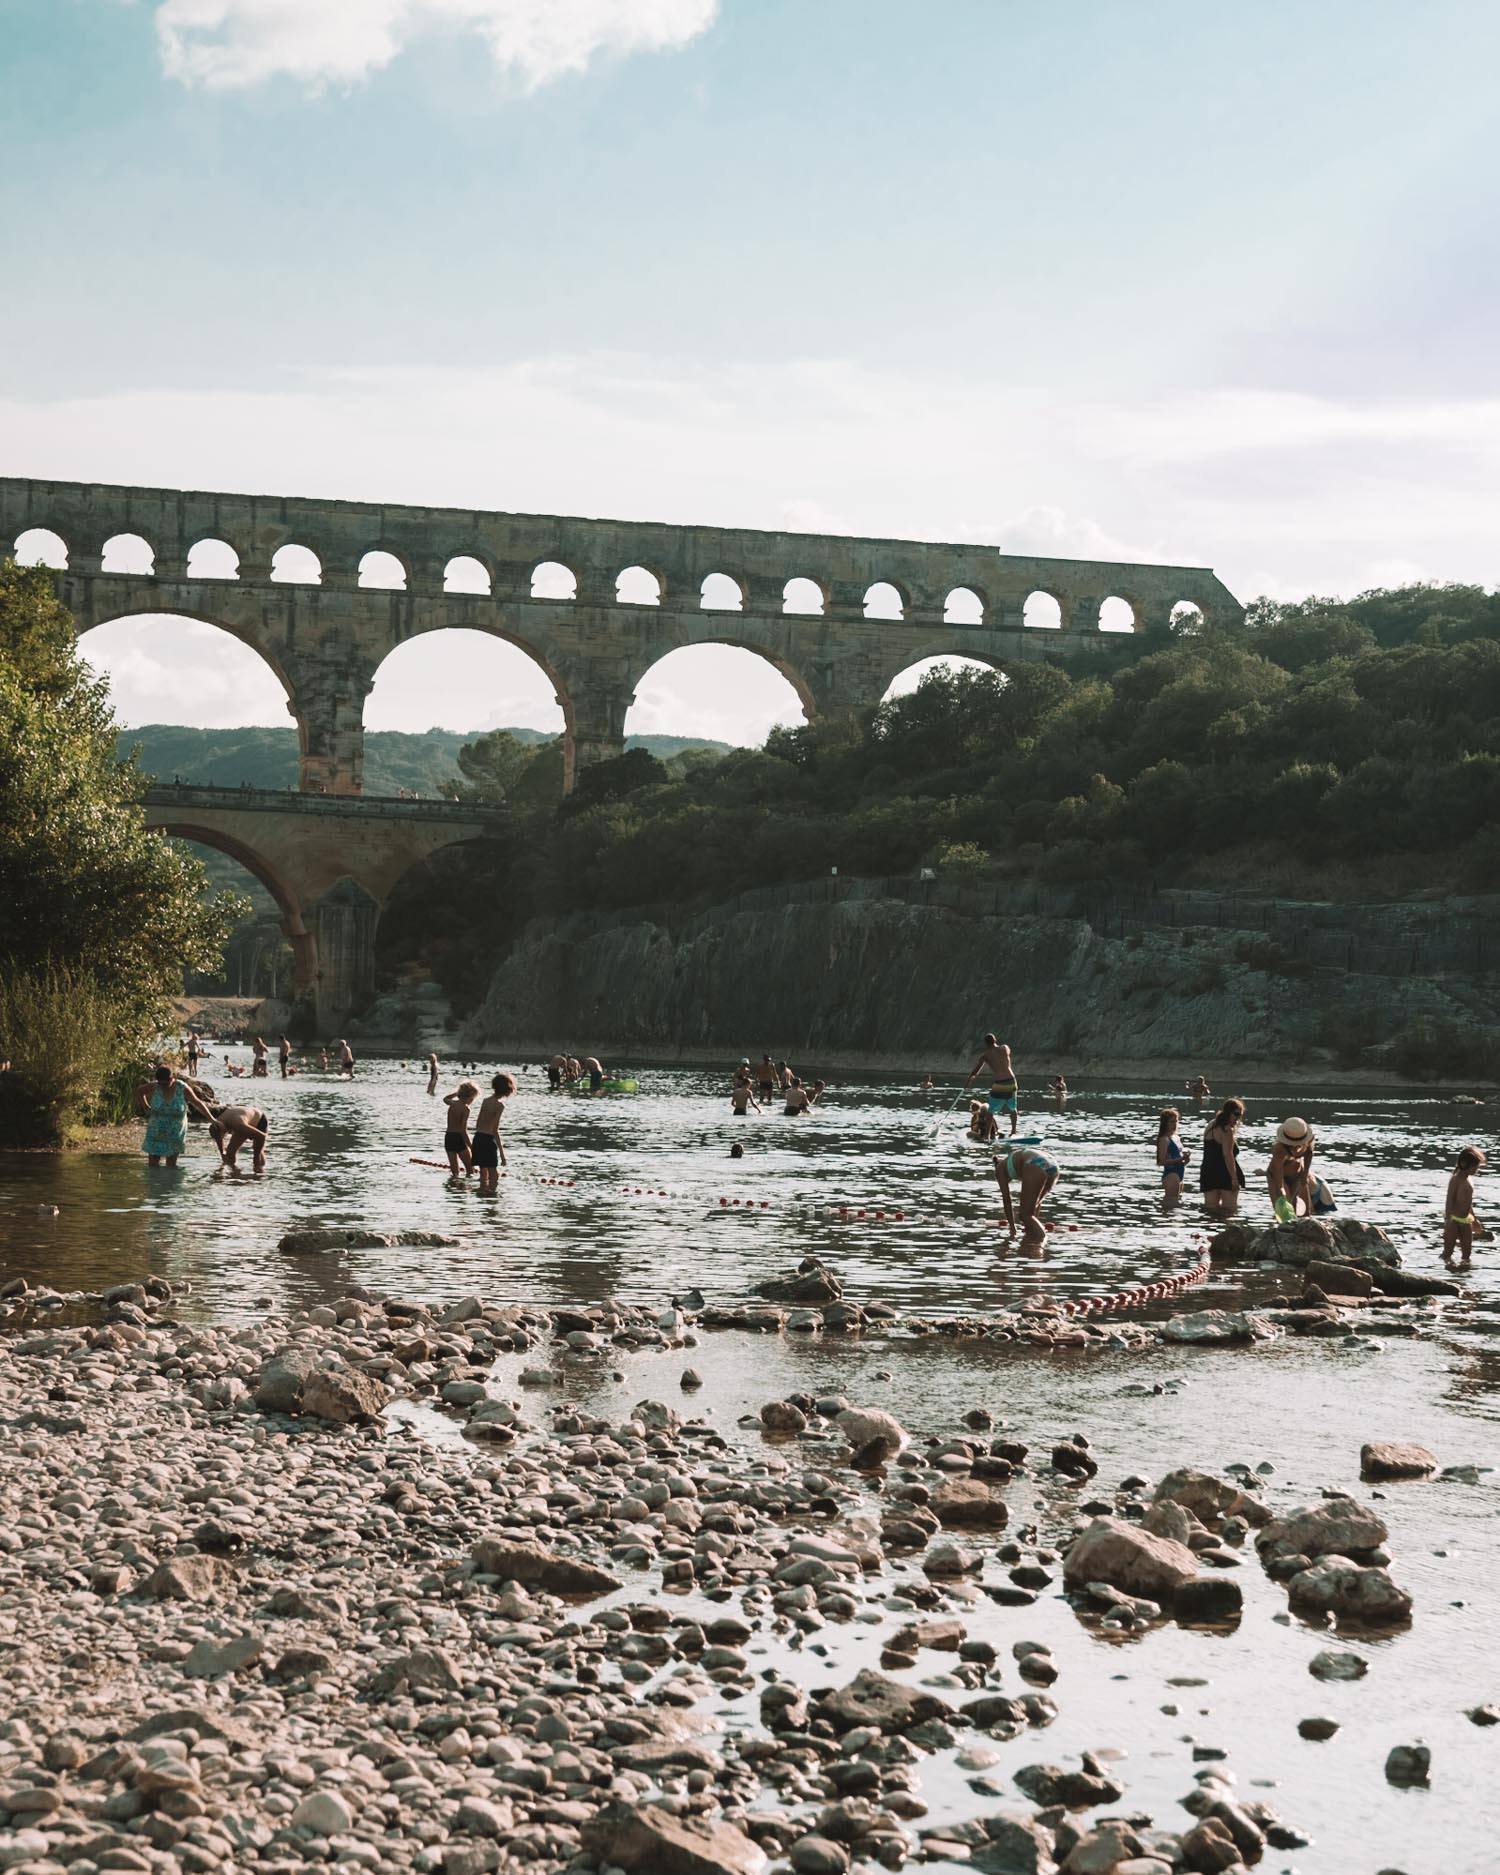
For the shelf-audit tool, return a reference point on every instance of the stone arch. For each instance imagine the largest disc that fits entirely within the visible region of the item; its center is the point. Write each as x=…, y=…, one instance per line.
x=638, y=585
x=380, y=570
x=804, y=597
x=294, y=564
x=130, y=554
x=1117, y=615
x=497, y=634
x=726, y=639
x=551, y=579
x=41, y=546
x=728, y=594
x=468, y=573
x=964, y=606
x=245, y=635
x=885, y=599
x=930, y=657
x=1186, y=618
x=212, y=558
x=1043, y=611
x=302, y=940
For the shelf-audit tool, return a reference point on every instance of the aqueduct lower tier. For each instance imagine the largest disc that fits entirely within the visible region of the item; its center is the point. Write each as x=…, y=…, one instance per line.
x=324, y=628
x=330, y=863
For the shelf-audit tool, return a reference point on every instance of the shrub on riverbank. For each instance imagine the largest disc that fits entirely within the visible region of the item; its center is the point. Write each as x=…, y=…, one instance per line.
x=98, y=916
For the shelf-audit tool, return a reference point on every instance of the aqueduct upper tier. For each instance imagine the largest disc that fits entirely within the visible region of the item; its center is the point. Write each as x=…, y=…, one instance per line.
x=295, y=580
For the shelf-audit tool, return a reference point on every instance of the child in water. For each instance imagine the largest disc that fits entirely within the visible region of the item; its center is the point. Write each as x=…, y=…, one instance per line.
x=1170, y=1155
x=488, y=1148
x=456, y=1131
x=1459, y=1218
x=982, y=1123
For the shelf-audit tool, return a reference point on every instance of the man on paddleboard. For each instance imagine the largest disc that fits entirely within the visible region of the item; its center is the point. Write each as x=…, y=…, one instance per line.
x=995, y=1056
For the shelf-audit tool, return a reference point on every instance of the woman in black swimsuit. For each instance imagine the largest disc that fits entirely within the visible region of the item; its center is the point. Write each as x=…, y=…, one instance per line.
x=1220, y=1176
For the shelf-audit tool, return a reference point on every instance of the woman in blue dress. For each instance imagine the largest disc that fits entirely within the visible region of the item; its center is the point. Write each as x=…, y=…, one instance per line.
x=166, y=1107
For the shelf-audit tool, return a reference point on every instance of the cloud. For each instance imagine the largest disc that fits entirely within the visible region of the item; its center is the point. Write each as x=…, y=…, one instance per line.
x=233, y=44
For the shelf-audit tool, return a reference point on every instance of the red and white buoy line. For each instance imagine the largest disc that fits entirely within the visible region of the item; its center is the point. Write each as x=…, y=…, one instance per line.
x=838, y=1213
x=1138, y=1297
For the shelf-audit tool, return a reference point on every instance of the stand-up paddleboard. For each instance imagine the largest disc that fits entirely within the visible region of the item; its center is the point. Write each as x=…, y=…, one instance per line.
x=611, y=1084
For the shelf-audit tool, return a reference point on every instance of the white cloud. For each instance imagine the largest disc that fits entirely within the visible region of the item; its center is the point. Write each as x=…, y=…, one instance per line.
x=232, y=44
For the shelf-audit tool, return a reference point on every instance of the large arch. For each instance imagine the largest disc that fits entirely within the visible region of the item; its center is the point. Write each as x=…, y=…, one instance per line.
x=302, y=940
x=913, y=670
x=470, y=679
x=152, y=617
x=761, y=683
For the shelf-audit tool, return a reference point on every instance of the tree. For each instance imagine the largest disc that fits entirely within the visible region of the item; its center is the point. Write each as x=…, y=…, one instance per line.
x=88, y=895
x=612, y=780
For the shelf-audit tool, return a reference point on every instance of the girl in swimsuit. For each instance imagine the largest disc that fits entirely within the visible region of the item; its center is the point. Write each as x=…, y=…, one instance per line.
x=1035, y=1173
x=1170, y=1155
x=1220, y=1177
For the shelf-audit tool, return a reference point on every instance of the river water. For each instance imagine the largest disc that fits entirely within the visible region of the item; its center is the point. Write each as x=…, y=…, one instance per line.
x=342, y=1153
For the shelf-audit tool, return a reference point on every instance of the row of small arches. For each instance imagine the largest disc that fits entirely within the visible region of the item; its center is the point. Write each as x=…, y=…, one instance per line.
x=293, y=564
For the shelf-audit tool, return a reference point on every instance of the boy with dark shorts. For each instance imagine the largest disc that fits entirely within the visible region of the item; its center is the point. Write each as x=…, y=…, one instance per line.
x=456, y=1131
x=488, y=1148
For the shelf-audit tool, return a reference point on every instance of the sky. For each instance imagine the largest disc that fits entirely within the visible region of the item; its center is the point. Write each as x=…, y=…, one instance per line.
x=1214, y=285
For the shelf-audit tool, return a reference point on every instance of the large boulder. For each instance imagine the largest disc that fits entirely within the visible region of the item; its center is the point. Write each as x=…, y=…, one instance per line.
x=969, y=1504
x=1209, y=1498
x=873, y=1434
x=1128, y=1559
x=536, y=1568
x=1323, y=1240
x=1218, y=1327
x=873, y=1699
x=283, y=1376
x=650, y=1839
x=1335, y=1586
x=1381, y=1461
x=1340, y=1526
x=812, y=1281
x=344, y=1395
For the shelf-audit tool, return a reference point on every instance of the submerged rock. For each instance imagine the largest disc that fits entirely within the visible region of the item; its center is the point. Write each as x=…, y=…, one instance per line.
x=1379, y=1462
x=1349, y=1591
x=312, y=1238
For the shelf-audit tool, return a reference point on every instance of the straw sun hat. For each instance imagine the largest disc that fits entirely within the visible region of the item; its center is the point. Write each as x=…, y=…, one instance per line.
x=1293, y=1132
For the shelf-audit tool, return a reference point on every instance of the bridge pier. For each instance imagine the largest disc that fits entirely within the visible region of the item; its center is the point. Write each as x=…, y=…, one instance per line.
x=344, y=923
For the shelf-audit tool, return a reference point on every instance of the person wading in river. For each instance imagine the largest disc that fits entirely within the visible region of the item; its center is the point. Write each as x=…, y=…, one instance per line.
x=487, y=1147
x=1221, y=1178
x=166, y=1107
x=232, y=1126
x=995, y=1058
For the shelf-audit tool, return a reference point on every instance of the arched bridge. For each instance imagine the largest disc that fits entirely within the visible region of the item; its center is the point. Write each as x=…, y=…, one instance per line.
x=325, y=590
x=329, y=861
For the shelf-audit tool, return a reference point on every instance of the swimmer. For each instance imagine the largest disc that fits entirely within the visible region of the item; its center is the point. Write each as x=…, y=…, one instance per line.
x=800, y=1099
x=323, y=1059
x=231, y=1126
x=1170, y=1155
x=1287, y=1173
x=995, y=1058
x=346, y=1060
x=737, y=1151
x=284, y=1056
x=765, y=1077
x=1198, y=1088
x=1057, y=1087
x=925, y=1085
x=192, y=1054
x=258, y=1049
x=456, y=1131
x=982, y=1123
x=741, y=1099
x=594, y=1069
x=432, y=1073
x=1460, y=1220
x=488, y=1148
x=556, y=1068
x=1035, y=1174
x=573, y=1070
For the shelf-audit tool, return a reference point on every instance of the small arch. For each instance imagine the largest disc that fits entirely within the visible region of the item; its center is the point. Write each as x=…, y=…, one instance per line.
x=883, y=600
x=550, y=579
x=128, y=553
x=637, y=586
x=382, y=571
x=212, y=559
x=295, y=565
x=963, y=606
x=39, y=546
x=804, y=597
x=1042, y=612
x=722, y=593
x=1186, y=618
x=1116, y=615
x=730, y=693
x=464, y=573
x=905, y=681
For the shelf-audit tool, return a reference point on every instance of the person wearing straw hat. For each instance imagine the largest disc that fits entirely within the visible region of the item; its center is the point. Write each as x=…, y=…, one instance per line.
x=1288, y=1175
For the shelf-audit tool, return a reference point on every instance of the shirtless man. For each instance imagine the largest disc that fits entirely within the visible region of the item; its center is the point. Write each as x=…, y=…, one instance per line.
x=995, y=1057
x=487, y=1146
x=557, y=1067
x=800, y=1099
x=232, y=1126
x=741, y=1095
x=765, y=1076
x=284, y=1055
x=346, y=1060
x=594, y=1069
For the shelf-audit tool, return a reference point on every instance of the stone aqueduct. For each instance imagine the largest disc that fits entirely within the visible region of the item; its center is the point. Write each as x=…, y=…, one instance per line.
x=301, y=595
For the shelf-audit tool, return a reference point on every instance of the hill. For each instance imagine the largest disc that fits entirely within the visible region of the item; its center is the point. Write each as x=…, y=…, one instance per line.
x=266, y=757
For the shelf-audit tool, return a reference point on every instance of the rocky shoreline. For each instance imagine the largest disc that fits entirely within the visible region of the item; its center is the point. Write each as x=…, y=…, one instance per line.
x=313, y=1590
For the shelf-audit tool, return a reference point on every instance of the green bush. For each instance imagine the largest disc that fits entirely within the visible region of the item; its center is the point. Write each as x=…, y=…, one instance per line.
x=60, y=1032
